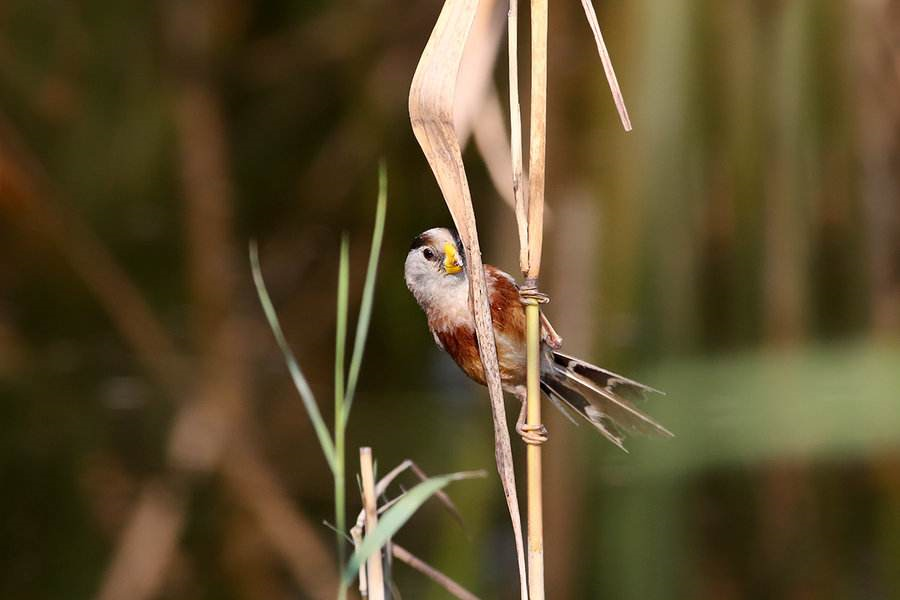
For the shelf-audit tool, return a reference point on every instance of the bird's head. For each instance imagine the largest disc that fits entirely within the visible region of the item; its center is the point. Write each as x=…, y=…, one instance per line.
x=435, y=264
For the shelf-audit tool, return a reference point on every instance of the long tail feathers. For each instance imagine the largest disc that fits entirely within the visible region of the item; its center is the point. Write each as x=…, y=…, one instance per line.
x=603, y=398
x=568, y=400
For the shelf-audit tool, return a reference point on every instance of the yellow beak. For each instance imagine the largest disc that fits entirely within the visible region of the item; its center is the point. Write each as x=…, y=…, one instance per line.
x=451, y=259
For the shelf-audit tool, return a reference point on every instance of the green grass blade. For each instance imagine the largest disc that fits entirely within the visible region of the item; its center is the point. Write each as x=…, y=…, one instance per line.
x=365, y=307
x=309, y=400
x=340, y=344
x=340, y=420
x=394, y=518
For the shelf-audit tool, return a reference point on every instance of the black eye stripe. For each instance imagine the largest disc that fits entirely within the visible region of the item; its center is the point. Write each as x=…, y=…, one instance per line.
x=423, y=239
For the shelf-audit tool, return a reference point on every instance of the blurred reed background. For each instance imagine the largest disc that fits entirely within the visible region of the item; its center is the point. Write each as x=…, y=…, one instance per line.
x=740, y=250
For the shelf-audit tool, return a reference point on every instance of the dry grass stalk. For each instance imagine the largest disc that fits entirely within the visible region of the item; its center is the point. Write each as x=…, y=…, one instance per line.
x=538, y=142
x=515, y=135
x=536, y=173
x=431, y=112
x=404, y=556
x=374, y=571
x=607, y=64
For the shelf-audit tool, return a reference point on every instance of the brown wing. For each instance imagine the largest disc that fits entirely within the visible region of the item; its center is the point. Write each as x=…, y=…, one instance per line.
x=508, y=316
x=460, y=343
x=507, y=312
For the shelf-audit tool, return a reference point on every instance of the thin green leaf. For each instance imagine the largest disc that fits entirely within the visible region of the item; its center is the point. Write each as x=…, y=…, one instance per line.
x=340, y=422
x=309, y=401
x=365, y=307
x=396, y=516
x=340, y=345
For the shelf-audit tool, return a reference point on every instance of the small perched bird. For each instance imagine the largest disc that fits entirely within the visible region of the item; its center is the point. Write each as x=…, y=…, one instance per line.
x=435, y=273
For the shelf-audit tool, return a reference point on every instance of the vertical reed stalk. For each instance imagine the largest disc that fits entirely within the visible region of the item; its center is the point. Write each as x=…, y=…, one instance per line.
x=533, y=224
x=374, y=570
x=536, y=171
x=535, y=476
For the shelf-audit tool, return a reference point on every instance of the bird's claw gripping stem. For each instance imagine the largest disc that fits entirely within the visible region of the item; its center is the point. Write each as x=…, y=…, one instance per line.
x=535, y=435
x=528, y=294
x=530, y=434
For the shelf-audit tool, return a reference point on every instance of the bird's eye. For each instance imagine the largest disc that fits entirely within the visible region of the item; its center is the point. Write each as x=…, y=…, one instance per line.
x=428, y=254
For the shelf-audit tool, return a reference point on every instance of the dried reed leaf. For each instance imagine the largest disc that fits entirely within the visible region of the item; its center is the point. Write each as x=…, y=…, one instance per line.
x=431, y=112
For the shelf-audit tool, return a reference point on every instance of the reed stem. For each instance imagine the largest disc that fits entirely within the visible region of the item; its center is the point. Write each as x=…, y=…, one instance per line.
x=374, y=569
x=535, y=478
x=537, y=161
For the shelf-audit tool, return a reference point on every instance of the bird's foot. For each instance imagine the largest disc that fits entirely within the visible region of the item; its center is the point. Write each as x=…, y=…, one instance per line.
x=531, y=295
x=534, y=435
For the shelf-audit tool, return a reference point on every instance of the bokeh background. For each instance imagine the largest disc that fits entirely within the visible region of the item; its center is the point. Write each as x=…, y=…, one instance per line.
x=740, y=250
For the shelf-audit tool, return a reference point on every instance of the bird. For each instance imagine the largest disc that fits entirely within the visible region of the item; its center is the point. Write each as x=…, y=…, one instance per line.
x=435, y=273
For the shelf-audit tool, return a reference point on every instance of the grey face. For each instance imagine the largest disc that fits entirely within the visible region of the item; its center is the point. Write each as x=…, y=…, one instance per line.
x=433, y=266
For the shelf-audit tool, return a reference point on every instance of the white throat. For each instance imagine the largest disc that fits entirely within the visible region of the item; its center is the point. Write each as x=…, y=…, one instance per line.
x=449, y=307
x=444, y=298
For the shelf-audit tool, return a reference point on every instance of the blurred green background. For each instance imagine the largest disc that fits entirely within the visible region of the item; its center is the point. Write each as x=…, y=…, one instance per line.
x=739, y=250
